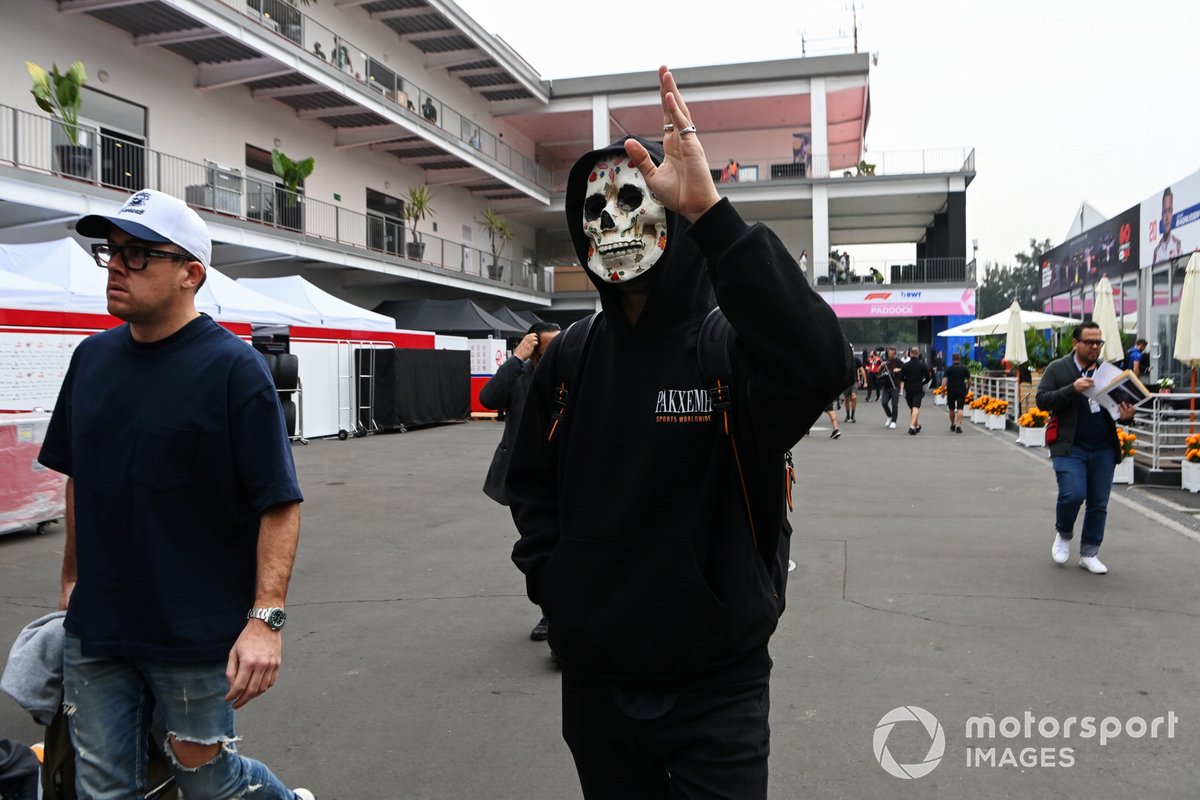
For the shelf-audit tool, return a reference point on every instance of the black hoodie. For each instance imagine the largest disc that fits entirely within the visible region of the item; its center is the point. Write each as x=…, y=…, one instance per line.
x=634, y=534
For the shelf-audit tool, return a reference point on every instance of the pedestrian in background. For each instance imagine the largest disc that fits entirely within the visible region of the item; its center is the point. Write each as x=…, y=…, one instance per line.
x=889, y=386
x=507, y=390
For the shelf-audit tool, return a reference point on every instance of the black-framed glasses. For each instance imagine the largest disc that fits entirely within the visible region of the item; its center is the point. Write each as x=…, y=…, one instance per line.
x=135, y=257
x=1092, y=342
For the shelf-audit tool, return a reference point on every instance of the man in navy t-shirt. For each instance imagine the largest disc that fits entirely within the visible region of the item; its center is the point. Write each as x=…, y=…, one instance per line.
x=183, y=515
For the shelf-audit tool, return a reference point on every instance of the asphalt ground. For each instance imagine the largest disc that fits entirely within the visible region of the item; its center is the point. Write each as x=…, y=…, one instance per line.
x=924, y=580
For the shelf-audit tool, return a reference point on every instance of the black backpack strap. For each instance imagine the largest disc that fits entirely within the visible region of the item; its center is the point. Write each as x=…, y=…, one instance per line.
x=572, y=348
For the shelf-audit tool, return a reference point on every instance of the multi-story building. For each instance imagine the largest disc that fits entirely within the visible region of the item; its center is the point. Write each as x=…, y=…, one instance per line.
x=192, y=96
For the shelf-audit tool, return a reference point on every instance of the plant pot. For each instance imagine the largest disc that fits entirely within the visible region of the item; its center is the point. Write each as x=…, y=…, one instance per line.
x=996, y=422
x=978, y=416
x=415, y=250
x=1124, y=471
x=1032, y=437
x=940, y=400
x=1190, y=473
x=495, y=271
x=75, y=160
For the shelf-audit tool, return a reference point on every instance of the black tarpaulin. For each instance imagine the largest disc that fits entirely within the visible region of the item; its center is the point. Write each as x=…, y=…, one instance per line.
x=449, y=317
x=414, y=387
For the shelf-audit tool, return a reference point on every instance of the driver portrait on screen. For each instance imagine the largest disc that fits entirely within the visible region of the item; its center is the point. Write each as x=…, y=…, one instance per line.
x=1170, y=246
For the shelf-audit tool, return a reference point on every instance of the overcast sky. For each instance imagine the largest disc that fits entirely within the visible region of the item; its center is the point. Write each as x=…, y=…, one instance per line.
x=1063, y=100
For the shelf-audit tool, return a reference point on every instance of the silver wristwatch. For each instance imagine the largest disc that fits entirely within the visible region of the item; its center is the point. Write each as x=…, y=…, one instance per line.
x=274, y=617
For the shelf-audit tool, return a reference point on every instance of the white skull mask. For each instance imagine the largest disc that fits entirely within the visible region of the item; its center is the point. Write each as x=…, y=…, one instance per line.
x=626, y=224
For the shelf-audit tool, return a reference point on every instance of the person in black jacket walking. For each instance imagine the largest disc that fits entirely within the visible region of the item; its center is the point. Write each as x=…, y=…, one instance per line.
x=1086, y=451
x=661, y=590
x=506, y=390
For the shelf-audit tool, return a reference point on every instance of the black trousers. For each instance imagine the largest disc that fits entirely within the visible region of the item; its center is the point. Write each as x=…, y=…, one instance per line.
x=890, y=397
x=712, y=744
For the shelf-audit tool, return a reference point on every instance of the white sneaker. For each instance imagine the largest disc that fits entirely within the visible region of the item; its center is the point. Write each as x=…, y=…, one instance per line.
x=892, y=424
x=304, y=794
x=1060, y=551
x=1093, y=564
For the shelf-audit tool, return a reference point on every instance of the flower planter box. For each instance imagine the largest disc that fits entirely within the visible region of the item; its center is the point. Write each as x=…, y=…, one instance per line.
x=1124, y=471
x=995, y=422
x=1031, y=437
x=1191, y=476
x=978, y=416
x=940, y=400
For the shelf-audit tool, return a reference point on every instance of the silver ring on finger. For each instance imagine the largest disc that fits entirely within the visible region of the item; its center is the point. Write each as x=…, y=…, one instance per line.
x=687, y=130
x=670, y=126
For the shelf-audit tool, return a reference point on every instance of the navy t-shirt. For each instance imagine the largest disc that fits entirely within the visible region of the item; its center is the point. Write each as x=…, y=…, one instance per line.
x=176, y=448
x=1091, y=429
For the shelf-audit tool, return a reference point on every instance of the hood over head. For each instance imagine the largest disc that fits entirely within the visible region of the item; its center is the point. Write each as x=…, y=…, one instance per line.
x=676, y=277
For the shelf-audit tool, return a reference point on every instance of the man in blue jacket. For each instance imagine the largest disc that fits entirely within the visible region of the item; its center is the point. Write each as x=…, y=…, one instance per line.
x=651, y=548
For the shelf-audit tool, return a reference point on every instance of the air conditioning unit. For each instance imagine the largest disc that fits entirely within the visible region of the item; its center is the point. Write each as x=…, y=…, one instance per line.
x=223, y=200
x=223, y=177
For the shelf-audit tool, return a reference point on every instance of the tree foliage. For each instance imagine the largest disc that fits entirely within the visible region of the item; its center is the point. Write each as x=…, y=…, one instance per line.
x=1003, y=283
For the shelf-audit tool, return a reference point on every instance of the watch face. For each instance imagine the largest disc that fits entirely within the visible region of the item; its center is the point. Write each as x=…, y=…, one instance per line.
x=276, y=618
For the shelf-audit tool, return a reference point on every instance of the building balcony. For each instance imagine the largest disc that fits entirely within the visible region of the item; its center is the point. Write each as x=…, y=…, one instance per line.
x=38, y=144
x=320, y=73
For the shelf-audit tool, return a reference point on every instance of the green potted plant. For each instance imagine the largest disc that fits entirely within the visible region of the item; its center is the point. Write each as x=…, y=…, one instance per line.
x=60, y=95
x=292, y=173
x=416, y=208
x=499, y=234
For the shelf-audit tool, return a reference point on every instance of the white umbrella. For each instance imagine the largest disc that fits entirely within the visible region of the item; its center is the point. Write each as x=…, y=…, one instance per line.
x=997, y=324
x=1187, y=329
x=1014, y=338
x=1104, y=314
x=1014, y=346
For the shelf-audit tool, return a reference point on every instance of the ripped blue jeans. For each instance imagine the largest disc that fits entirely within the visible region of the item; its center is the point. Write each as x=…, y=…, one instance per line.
x=108, y=703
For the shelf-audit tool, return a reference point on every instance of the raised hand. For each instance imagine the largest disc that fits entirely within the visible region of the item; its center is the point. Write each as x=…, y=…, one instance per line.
x=683, y=182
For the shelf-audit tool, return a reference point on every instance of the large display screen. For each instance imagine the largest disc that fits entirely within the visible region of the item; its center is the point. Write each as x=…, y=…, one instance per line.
x=1171, y=222
x=1108, y=249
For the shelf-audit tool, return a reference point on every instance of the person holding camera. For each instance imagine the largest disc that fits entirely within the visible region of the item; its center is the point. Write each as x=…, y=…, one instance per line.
x=506, y=390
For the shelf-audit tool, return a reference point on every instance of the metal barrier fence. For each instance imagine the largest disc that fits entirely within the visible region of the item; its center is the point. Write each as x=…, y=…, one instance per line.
x=340, y=54
x=40, y=143
x=1001, y=388
x=1163, y=432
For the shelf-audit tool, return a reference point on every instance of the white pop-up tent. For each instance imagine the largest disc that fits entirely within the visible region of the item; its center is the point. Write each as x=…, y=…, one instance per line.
x=223, y=298
x=331, y=311
x=61, y=263
x=17, y=291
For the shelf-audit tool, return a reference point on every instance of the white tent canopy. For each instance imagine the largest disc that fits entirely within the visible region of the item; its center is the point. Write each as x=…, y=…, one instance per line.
x=328, y=309
x=997, y=324
x=223, y=298
x=17, y=291
x=62, y=263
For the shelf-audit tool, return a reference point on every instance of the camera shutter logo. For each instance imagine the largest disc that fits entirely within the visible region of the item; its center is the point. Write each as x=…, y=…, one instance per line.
x=937, y=746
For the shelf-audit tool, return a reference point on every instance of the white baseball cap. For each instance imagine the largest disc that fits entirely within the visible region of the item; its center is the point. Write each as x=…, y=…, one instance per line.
x=154, y=217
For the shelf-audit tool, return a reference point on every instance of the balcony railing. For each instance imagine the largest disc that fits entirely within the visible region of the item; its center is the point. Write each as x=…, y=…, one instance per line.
x=900, y=162
x=340, y=54
x=39, y=143
x=913, y=270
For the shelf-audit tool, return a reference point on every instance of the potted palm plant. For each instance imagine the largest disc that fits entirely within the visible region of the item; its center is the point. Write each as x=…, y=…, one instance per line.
x=417, y=208
x=499, y=234
x=292, y=173
x=59, y=94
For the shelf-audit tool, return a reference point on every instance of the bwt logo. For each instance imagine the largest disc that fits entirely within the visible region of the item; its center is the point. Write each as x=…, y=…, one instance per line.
x=911, y=295
x=937, y=747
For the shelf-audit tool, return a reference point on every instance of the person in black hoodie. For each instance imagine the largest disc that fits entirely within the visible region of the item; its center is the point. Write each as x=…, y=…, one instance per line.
x=506, y=390
x=635, y=535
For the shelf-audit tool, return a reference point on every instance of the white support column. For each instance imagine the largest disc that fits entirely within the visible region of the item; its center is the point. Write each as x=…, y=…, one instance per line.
x=820, y=131
x=819, y=262
x=600, y=134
